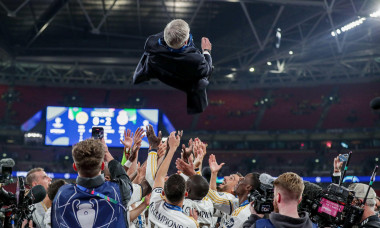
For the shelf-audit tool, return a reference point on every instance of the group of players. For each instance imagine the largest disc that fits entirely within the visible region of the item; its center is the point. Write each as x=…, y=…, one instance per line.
x=126, y=194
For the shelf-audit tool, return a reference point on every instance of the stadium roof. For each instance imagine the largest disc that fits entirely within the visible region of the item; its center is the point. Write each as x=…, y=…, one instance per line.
x=98, y=43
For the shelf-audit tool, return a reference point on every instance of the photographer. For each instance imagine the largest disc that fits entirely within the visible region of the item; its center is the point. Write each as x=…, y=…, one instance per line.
x=78, y=205
x=369, y=218
x=288, y=189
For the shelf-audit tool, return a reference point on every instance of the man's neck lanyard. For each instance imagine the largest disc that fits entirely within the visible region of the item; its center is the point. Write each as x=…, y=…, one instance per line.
x=100, y=195
x=244, y=203
x=173, y=207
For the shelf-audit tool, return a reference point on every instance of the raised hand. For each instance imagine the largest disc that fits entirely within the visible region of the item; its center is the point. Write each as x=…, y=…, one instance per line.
x=199, y=155
x=186, y=168
x=187, y=151
x=337, y=164
x=128, y=140
x=139, y=135
x=174, y=140
x=162, y=150
x=213, y=164
x=141, y=171
x=154, y=141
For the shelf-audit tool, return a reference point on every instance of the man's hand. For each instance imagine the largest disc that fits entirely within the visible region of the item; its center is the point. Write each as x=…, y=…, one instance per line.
x=147, y=200
x=128, y=140
x=185, y=168
x=173, y=140
x=154, y=141
x=141, y=171
x=253, y=211
x=194, y=214
x=205, y=44
x=139, y=135
x=337, y=164
x=213, y=164
x=187, y=151
x=199, y=153
x=162, y=150
x=107, y=156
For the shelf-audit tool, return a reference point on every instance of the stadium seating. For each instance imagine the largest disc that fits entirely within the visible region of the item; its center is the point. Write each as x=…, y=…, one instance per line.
x=286, y=109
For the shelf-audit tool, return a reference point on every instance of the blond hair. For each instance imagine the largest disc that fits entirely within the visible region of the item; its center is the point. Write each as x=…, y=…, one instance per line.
x=291, y=184
x=176, y=33
x=88, y=156
x=31, y=177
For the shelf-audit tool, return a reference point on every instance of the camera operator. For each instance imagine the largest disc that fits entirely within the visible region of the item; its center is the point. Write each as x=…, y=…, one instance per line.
x=37, y=176
x=369, y=218
x=288, y=188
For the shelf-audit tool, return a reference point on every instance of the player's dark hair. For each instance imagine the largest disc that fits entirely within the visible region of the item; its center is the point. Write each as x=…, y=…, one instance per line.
x=175, y=188
x=198, y=186
x=54, y=187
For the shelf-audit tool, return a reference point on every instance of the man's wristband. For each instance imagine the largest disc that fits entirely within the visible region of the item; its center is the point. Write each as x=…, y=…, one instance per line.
x=208, y=50
x=128, y=164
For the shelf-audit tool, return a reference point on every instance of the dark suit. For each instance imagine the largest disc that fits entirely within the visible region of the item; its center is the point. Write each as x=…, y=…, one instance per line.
x=186, y=69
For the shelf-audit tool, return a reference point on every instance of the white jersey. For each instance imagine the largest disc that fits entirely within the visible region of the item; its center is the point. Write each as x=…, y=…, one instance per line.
x=238, y=217
x=136, y=194
x=163, y=215
x=140, y=221
x=223, y=201
x=205, y=209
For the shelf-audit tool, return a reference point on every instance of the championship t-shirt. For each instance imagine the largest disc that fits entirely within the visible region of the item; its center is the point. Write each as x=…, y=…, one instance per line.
x=204, y=208
x=163, y=215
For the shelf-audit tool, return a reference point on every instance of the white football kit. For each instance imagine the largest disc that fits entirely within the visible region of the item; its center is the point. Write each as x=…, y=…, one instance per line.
x=163, y=215
x=205, y=209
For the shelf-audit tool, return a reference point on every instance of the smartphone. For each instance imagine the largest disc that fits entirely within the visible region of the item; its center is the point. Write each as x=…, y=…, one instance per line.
x=343, y=157
x=97, y=133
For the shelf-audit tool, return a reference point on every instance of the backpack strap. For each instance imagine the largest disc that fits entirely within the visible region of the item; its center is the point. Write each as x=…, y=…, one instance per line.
x=264, y=223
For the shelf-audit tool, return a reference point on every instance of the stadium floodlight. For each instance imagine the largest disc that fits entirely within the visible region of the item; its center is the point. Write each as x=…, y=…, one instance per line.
x=352, y=25
x=251, y=69
x=291, y=52
x=230, y=76
x=349, y=26
x=375, y=14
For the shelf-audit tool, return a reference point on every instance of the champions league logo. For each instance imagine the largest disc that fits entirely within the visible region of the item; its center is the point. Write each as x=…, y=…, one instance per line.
x=86, y=213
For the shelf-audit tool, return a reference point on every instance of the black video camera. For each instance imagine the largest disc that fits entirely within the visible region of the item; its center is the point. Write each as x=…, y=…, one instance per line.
x=332, y=207
x=18, y=206
x=263, y=197
x=6, y=171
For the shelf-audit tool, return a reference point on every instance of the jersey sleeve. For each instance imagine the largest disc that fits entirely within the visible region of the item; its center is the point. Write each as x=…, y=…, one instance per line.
x=151, y=167
x=222, y=201
x=136, y=195
x=157, y=195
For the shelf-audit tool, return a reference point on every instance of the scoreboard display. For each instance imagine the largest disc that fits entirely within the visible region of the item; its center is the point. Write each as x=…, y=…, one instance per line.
x=66, y=126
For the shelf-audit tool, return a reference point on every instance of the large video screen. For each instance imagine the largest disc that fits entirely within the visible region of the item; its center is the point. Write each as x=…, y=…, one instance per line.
x=66, y=126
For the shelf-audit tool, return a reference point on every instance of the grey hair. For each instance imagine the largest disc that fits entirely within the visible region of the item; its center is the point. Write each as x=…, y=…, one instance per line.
x=176, y=33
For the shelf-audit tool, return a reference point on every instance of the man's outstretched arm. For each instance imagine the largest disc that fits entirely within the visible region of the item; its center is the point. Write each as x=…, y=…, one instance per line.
x=163, y=170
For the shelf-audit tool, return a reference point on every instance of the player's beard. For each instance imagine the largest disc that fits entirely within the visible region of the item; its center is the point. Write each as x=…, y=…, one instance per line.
x=222, y=188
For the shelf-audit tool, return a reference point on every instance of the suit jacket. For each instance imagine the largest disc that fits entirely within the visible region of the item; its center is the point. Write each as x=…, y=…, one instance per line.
x=186, y=69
